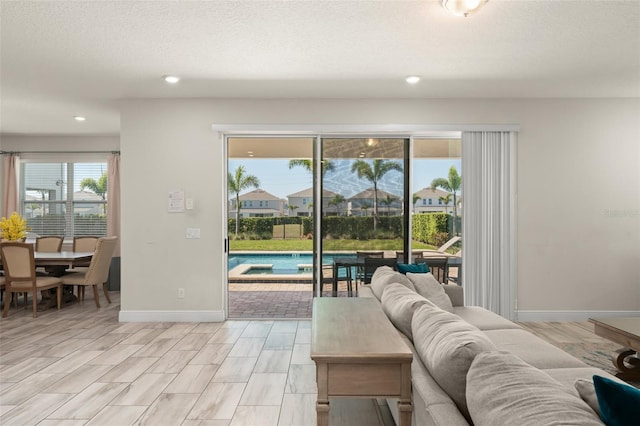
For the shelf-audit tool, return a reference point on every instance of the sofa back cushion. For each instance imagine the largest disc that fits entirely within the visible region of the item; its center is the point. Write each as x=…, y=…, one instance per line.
x=399, y=304
x=447, y=345
x=383, y=276
x=427, y=286
x=502, y=389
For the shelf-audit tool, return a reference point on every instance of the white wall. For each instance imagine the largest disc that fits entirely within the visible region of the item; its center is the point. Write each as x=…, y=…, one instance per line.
x=575, y=259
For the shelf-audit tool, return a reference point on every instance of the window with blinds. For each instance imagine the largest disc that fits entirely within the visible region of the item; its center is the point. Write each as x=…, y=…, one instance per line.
x=66, y=199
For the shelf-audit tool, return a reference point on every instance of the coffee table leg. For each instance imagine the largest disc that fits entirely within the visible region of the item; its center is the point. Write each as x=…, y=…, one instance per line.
x=322, y=404
x=627, y=362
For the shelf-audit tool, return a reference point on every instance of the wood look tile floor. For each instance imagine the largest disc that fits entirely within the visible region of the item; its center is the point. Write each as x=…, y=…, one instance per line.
x=80, y=366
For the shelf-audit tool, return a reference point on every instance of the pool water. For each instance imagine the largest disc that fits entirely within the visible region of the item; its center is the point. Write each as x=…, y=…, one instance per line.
x=283, y=263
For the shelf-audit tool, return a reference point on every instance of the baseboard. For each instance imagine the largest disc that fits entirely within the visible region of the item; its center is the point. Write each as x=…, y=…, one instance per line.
x=525, y=316
x=171, y=316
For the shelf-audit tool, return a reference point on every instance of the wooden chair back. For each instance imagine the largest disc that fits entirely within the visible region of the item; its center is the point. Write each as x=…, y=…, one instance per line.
x=437, y=266
x=18, y=262
x=373, y=263
x=98, y=271
x=85, y=243
x=416, y=254
x=49, y=244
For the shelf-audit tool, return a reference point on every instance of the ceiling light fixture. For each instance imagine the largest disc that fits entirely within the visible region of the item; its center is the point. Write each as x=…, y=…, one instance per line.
x=79, y=118
x=412, y=79
x=171, y=79
x=462, y=7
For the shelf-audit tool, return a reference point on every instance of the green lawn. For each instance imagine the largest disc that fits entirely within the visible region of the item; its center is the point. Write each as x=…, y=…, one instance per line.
x=307, y=245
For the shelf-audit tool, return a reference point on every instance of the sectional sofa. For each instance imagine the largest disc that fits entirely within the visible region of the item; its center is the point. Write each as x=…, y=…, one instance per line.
x=471, y=366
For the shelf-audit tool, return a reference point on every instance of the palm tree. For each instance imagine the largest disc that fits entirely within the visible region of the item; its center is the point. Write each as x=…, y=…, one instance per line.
x=373, y=173
x=451, y=185
x=99, y=187
x=445, y=200
x=364, y=207
x=238, y=182
x=416, y=197
x=308, y=165
x=336, y=201
x=292, y=208
x=387, y=201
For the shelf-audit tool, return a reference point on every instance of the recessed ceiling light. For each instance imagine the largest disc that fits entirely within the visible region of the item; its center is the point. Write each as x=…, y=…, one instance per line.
x=412, y=79
x=171, y=79
x=79, y=118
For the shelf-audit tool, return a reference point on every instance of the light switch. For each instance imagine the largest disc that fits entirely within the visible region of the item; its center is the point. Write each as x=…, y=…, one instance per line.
x=189, y=203
x=193, y=233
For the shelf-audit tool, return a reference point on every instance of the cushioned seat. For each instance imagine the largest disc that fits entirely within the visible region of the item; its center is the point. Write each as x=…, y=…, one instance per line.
x=19, y=266
x=483, y=319
x=532, y=349
x=98, y=271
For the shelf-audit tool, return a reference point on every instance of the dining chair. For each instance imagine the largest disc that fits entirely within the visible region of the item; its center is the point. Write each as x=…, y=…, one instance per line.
x=49, y=244
x=438, y=266
x=20, y=275
x=85, y=243
x=415, y=254
x=373, y=263
x=364, y=255
x=98, y=271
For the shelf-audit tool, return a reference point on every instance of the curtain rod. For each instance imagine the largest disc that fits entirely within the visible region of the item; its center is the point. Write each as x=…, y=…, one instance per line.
x=59, y=152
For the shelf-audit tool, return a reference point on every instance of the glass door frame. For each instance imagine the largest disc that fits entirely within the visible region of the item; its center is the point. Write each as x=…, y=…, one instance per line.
x=407, y=160
x=319, y=131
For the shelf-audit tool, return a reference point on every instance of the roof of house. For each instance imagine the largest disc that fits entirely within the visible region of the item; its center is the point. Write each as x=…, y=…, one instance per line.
x=431, y=193
x=260, y=195
x=367, y=194
x=309, y=193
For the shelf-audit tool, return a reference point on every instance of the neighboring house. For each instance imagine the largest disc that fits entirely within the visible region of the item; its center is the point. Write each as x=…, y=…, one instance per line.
x=258, y=203
x=87, y=202
x=304, y=199
x=430, y=201
x=365, y=198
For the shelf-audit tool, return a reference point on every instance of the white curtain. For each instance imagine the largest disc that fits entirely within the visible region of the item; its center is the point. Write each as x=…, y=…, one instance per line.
x=488, y=225
x=10, y=167
x=113, y=202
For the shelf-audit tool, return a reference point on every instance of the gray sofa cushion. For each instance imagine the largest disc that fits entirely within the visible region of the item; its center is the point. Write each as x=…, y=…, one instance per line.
x=532, y=349
x=399, y=303
x=483, y=318
x=427, y=286
x=502, y=389
x=383, y=276
x=455, y=293
x=447, y=345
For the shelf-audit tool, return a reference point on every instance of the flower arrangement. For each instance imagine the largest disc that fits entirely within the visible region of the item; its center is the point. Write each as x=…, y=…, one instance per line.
x=14, y=228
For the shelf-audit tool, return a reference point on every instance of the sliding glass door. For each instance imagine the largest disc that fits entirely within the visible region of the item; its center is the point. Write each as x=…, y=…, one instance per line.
x=364, y=204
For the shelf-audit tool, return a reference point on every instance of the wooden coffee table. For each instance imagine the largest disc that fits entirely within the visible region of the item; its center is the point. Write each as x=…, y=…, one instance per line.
x=625, y=331
x=358, y=354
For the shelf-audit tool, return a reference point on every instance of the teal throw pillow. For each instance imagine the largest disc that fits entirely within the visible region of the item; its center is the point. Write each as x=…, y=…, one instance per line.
x=414, y=268
x=619, y=403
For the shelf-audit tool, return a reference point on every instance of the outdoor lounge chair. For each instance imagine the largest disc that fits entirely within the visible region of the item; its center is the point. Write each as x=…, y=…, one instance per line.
x=442, y=250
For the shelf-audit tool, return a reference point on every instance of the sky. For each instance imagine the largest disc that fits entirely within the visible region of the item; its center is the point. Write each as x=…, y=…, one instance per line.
x=276, y=178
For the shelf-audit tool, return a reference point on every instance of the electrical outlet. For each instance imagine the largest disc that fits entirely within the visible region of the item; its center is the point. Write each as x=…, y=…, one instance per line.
x=181, y=293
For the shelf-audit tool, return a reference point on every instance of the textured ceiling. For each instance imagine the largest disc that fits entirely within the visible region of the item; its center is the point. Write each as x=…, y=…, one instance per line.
x=63, y=58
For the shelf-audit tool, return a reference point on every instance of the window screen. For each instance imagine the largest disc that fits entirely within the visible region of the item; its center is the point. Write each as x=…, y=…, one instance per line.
x=66, y=199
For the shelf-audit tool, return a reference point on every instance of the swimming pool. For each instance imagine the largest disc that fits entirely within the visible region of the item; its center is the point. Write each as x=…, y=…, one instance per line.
x=281, y=263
